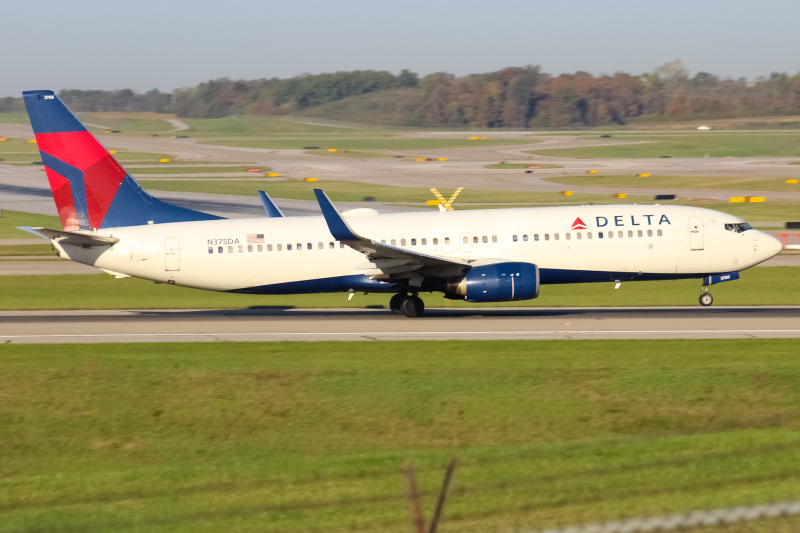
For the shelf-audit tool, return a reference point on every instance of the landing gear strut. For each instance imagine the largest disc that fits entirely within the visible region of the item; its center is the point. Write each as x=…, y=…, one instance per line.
x=705, y=298
x=408, y=305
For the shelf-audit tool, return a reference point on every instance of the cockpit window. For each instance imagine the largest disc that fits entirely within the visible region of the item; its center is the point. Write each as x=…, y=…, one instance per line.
x=738, y=228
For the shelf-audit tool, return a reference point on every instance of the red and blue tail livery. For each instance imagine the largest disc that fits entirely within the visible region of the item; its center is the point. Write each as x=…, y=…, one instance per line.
x=90, y=188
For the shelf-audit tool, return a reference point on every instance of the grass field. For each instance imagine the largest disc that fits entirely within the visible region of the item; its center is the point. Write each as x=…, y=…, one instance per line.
x=11, y=219
x=23, y=250
x=758, y=286
x=312, y=436
x=680, y=182
x=13, y=118
x=695, y=144
x=348, y=191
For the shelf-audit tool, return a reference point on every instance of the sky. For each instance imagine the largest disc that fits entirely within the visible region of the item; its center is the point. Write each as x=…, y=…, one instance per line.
x=167, y=44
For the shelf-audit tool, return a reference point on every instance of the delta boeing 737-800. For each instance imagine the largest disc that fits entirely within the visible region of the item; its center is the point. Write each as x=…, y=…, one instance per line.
x=499, y=255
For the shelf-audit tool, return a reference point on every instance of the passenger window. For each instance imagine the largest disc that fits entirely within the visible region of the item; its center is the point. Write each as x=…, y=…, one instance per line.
x=620, y=234
x=649, y=233
x=447, y=240
x=514, y=238
x=579, y=235
x=241, y=248
x=299, y=245
x=288, y=247
x=249, y=247
x=424, y=242
x=393, y=242
x=331, y=245
x=279, y=246
x=659, y=233
x=320, y=246
x=402, y=242
x=219, y=250
x=341, y=245
x=555, y=237
x=465, y=239
x=569, y=236
x=435, y=240
x=413, y=242
x=547, y=236
x=536, y=237
x=230, y=249
x=588, y=234
x=309, y=246
x=485, y=238
x=269, y=247
x=599, y=234
x=383, y=241
x=639, y=233
x=494, y=238
x=610, y=234
x=475, y=239
x=630, y=233
x=211, y=249
x=525, y=238
x=260, y=247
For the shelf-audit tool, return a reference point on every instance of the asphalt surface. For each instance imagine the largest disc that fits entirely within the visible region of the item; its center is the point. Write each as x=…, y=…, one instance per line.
x=286, y=324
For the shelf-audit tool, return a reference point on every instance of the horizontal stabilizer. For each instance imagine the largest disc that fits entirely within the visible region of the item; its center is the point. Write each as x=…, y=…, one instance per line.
x=75, y=239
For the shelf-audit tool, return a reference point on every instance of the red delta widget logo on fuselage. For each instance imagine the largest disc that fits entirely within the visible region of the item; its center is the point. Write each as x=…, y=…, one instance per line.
x=619, y=220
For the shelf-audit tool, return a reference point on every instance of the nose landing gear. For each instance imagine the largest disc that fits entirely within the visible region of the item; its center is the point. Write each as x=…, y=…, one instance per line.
x=411, y=306
x=705, y=298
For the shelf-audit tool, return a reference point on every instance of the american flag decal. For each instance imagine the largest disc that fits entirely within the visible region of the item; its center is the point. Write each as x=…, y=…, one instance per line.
x=255, y=238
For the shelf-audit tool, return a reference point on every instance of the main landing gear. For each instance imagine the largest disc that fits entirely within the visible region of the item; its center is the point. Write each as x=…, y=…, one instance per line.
x=705, y=298
x=408, y=305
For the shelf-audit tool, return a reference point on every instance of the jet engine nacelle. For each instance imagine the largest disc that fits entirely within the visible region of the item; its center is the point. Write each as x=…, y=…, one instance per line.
x=498, y=282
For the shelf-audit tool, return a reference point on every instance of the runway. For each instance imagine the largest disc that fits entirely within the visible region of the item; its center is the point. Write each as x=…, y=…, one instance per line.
x=290, y=324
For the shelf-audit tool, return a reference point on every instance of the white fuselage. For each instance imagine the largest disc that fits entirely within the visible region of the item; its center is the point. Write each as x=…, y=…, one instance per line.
x=298, y=254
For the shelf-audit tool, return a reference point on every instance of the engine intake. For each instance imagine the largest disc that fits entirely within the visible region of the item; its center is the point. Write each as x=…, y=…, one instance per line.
x=499, y=282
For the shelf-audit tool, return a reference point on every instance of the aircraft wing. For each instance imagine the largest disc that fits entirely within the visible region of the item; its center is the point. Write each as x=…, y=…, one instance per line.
x=385, y=259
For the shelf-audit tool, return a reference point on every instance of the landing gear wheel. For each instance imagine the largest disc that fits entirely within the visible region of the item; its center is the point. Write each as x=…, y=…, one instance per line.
x=412, y=306
x=706, y=299
x=396, y=302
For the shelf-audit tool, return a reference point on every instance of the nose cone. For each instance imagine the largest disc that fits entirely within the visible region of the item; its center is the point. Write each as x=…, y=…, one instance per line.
x=770, y=245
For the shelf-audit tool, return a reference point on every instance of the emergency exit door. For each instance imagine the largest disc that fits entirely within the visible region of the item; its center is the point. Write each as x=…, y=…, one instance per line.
x=696, y=240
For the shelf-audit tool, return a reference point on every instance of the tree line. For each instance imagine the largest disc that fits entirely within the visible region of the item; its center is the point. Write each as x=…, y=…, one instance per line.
x=514, y=97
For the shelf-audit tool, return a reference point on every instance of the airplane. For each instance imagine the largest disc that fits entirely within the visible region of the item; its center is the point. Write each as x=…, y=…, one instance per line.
x=497, y=255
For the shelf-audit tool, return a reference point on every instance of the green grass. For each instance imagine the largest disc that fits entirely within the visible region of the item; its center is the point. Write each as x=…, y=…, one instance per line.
x=171, y=169
x=680, y=182
x=758, y=286
x=11, y=219
x=264, y=125
x=509, y=166
x=14, y=118
x=129, y=123
x=696, y=144
x=347, y=191
x=312, y=436
x=23, y=250
x=795, y=163
x=344, y=142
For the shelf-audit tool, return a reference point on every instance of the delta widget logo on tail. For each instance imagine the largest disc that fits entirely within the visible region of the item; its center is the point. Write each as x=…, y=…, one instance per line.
x=578, y=224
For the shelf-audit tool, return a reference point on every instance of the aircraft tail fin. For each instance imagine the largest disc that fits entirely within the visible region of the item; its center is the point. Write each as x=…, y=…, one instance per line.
x=90, y=188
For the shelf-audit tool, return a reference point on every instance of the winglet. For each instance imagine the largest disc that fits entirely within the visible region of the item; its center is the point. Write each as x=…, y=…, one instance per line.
x=340, y=230
x=269, y=206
